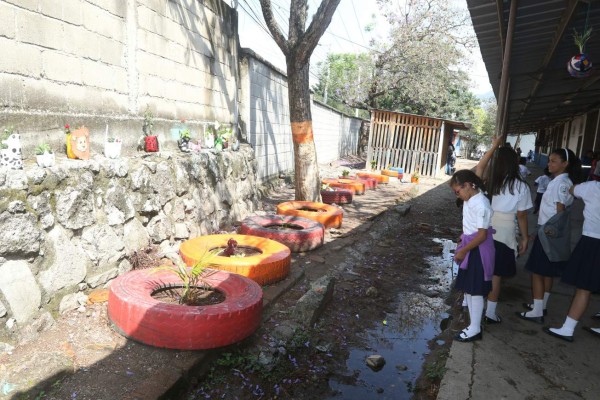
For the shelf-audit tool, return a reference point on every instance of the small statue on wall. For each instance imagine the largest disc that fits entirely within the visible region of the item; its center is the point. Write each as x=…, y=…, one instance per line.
x=10, y=153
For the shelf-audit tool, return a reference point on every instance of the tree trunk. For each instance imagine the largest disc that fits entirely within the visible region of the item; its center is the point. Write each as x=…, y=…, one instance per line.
x=306, y=175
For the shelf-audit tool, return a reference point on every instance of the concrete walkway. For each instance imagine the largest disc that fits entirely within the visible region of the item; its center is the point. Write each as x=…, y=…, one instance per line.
x=516, y=359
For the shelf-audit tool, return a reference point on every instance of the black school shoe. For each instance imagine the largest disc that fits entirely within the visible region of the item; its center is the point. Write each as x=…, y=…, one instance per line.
x=529, y=307
x=460, y=338
x=490, y=321
x=596, y=316
x=539, y=320
x=587, y=328
x=558, y=335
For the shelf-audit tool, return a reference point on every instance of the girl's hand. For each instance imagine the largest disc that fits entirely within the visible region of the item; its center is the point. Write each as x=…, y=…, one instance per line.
x=460, y=255
x=524, y=242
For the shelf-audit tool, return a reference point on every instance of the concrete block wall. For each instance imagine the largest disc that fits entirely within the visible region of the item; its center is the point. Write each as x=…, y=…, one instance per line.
x=99, y=62
x=336, y=134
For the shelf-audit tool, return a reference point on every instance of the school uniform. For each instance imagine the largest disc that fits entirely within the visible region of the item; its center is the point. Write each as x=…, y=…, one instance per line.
x=557, y=192
x=475, y=273
x=524, y=171
x=583, y=268
x=505, y=206
x=542, y=184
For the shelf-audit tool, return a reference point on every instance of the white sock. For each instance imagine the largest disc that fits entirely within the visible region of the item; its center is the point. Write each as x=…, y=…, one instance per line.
x=475, y=313
x=538, y=309
x=546, y=296
x=567, y=328
x=490, y=311
x=464, y=303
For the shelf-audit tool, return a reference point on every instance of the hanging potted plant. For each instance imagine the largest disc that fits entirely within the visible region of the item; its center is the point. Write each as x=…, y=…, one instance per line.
x=150, y=140
x=44, y=155
x=580, y=65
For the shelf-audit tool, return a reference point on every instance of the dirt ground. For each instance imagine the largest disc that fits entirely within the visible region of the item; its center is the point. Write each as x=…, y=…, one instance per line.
x=82, y=357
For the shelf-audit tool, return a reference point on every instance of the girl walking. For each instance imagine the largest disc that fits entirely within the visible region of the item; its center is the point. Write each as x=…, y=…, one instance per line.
x=548, y=261
x=511, y=198
x=583, y=269
x=475, y=252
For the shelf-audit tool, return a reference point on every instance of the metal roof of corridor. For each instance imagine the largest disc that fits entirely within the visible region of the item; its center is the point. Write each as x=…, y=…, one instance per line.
x=540, y=92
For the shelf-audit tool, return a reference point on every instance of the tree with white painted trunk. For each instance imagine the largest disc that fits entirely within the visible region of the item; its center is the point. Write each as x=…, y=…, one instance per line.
x=297, y=48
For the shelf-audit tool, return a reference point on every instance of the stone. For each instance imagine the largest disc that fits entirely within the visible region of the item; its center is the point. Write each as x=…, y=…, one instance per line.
x=159, y=228
x=181, y=231
x=41, y=205
x=36, y=175
x=75, y=208
x=182, y=180
x=16, y=207
x=64, y=264
x=162, y=183
x=118, y=167
x=135, y=236
x=20, y=234
x=124, y=266
x=140, y=179
x=372, y=292
x=20, y=290
x=402, y=209
x=102, y=278
x=3, y=310
x=16, y=179
x=310, y=306
x=32, y=330
x=72, y=302
x=103, y=246
x=118, y=205
x=375, y=362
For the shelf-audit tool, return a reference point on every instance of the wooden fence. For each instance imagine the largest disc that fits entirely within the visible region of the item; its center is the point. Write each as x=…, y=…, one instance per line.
x=406, y=141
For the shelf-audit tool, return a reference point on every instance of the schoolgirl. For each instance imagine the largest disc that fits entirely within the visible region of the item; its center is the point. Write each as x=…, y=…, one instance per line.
x=541, y=182
x=583, y=269
x=511, y=198
x=475, y=252
x=565, y=167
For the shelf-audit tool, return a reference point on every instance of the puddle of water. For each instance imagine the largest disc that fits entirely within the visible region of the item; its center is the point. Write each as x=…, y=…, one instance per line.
x=402, y=340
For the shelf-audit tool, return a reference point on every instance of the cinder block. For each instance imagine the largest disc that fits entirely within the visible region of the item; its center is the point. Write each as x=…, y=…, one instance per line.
x=115, y=7
x=39, y=30
x=61, y=67
x=20, y=58
x=101, y=21
x=72, y=12
x=7, y=20
x=52, y=9
x=32, y=5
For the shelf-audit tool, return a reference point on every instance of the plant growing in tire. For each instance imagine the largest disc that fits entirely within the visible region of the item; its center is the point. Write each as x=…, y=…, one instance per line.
x=230, y=316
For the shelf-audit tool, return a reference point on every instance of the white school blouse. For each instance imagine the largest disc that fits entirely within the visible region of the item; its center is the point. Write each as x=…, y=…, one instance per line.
x=477, y=214
x=542, y=182
x=589, y=192
x=511, y=203
x=557, y=192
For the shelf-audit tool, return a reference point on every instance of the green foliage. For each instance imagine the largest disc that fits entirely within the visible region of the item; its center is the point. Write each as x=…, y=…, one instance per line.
x=148, y=124
x=191, y=277
x=345, y=173
x=185, y=134
x=6, y=132
x=484, y=124
x=43, y=148
x=581, y=39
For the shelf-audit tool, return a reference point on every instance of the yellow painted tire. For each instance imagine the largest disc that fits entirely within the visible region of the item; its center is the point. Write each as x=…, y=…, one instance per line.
x=379, y=178
x=357, y=187
x=270, y=266
x=330, y=216
x=389, y=172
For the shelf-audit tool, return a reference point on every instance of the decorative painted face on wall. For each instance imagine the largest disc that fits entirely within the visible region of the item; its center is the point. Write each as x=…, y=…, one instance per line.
x=80, y=143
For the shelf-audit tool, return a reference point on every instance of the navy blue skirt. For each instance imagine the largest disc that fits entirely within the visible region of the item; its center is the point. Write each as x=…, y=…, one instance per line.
x=506, y=264
x=538, y=262
x=471, y=280
x=583, y=268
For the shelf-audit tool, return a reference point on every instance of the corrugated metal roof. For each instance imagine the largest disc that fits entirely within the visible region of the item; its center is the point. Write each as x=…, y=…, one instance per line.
x=541, y=92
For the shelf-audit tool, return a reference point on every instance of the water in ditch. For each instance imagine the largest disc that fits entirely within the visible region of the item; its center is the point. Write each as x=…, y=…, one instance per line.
x=401, y=338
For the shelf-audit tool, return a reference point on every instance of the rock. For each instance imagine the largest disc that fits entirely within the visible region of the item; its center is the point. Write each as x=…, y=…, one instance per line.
x=10, y=323
x=16, y=207
x=181, y=231
x=102, y=278
x=64, y=263
x=135, y=236
x=124, y=266
x=310, y=306
x=402, y=209
x=6, y=348
x=33, y=330
x=372, y=292
x=36, y=175
x=401, y=367
x=160, y=228
x=75, y=208
x=118, y=167
x=118, y=206
x=20, y=290
x=19, y=234
x=16, y=179
x=3, y=310
x=375, y=362
x=162, y=183
x=103, y=246
x=140, y=179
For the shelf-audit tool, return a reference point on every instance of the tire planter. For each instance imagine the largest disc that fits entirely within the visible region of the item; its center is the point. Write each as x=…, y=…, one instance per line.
x=379, y=178
x=356, y=186
x=389, y=172
x=138, y=316
x=399, y=170
x=308, y=235
x=330, y=216
x=270, y=266
x=337, y=196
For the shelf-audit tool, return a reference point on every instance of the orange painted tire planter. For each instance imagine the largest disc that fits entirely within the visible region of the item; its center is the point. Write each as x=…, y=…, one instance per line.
x=355, y=185
x=307, y=235
x=370, y=183
x=379, y=178
x=337, y=196
x=270, y=266
x=137, y=315
x=330, y=216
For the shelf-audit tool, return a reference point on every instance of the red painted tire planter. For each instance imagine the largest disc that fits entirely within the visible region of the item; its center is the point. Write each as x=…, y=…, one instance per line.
x=270, y=266
x=138, y=316
x=337, y=196
x=379, y=178
x=308, y=237
x=370, y=183
x=330, y=216
x=356, y=186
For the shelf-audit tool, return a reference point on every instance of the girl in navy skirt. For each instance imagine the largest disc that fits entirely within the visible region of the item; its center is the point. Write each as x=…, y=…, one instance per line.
x=511, y=198
x=565, y=167
x=475, y=252
x=583, y=269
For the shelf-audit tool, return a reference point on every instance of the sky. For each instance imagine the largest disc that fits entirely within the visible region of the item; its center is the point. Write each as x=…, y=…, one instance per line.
x=345, y=34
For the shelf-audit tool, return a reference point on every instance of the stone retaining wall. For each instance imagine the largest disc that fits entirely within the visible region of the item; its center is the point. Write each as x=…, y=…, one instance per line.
x=68, y=228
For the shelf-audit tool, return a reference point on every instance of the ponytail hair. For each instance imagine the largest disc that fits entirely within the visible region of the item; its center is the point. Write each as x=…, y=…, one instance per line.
x=467, y=176
x=573, y=163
